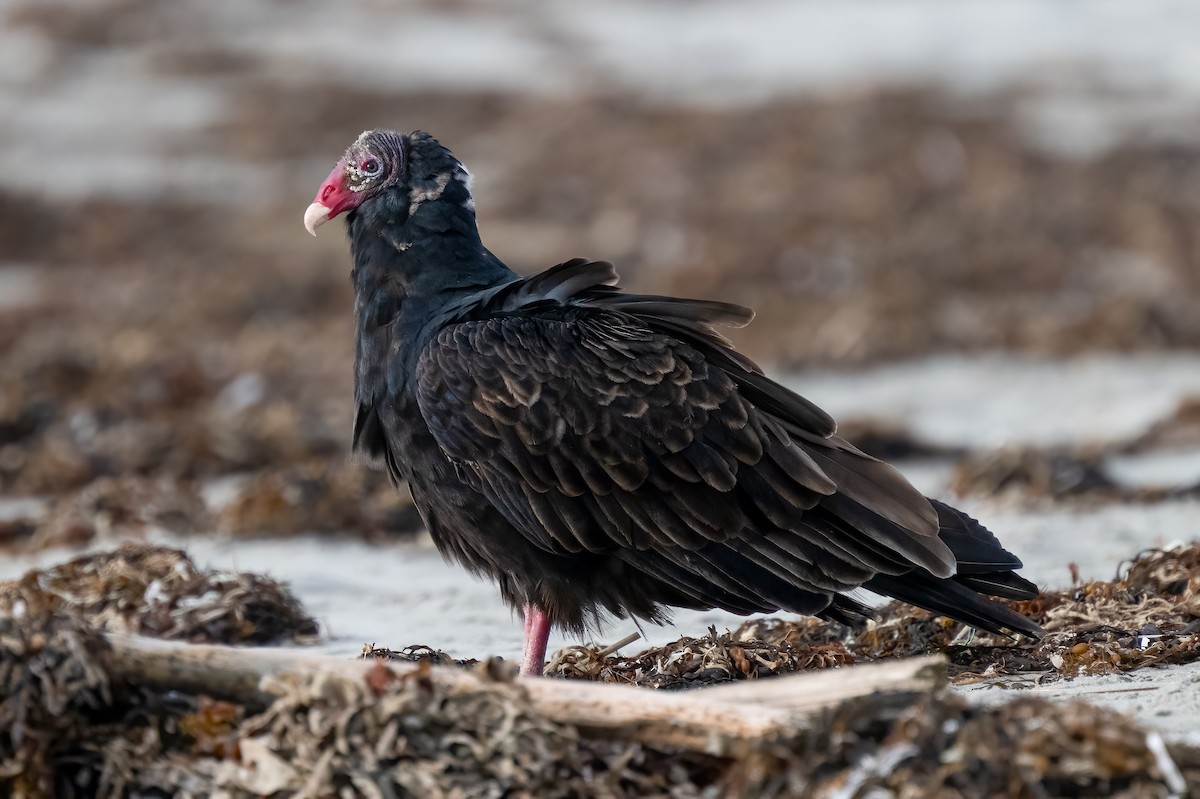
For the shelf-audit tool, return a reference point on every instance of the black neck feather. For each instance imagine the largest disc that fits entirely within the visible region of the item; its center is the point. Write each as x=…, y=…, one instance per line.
x=434, y=252
x=407, y=269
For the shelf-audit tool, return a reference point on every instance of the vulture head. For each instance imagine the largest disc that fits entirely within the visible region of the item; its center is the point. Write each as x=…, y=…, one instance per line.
x=388, y=177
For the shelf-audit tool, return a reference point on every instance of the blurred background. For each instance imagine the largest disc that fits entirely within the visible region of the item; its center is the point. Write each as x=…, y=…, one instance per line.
x=970, y=230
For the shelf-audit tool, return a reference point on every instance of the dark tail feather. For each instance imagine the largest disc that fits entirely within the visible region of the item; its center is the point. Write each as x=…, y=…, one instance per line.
x=1002, y=584
x=983, y=564
x=973, y=545
x=847, y=611
x=948, y=597
x=984, y=567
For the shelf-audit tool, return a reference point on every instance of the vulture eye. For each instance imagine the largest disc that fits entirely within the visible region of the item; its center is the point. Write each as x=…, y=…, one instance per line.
x=370, y=167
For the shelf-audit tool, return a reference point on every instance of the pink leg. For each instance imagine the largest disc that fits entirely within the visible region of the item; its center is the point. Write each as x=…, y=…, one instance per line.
x=537, y=633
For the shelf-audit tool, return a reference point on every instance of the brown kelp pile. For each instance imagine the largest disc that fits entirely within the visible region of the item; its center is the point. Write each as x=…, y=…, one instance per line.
x=1148, y=616
x=158, y=591
x=72, y=727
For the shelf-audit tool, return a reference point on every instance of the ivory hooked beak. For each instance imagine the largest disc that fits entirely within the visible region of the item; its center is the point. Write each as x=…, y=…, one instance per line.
x=315, y=216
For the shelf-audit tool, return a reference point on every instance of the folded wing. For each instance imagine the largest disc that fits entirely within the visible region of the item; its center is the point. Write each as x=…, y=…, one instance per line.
x=598, y=421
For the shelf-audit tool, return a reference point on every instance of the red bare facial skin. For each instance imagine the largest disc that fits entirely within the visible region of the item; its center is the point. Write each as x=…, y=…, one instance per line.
x=333, y=198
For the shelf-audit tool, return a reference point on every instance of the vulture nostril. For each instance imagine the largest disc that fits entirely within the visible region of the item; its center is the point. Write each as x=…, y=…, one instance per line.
x=326, y=191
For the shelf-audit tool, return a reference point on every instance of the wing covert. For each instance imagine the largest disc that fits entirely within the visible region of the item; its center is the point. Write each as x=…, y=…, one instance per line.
x=605, y=433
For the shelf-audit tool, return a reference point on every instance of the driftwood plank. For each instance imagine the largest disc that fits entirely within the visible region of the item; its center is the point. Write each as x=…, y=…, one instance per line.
x=718, y=719
x=813, y=691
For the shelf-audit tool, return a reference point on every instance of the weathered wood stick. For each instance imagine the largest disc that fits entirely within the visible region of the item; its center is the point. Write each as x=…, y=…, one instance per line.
x=813, y=691
x=718, y=720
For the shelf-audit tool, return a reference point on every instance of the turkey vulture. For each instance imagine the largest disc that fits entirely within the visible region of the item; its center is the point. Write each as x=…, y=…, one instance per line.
x=594, y=451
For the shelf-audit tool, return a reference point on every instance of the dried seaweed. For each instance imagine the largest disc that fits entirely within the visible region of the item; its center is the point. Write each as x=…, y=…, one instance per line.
x=940, y=746
x=401, y=736
x=158, y=591
x=51, y=677
x=109, y=509
x=1040, y=476
x=1149, y=616
x=326, y=735
x=68, y=727
x=415, y=653
x=691, y=662
x=1035, y=473
x=1179, y=430
x=404, y=736
x=379, y=734
x=319, y=495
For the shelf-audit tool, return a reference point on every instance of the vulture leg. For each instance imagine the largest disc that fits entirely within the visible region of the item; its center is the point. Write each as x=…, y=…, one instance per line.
x=537, y=633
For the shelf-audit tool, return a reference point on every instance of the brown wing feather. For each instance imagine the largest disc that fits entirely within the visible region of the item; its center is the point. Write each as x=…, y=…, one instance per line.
x=594, y=431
